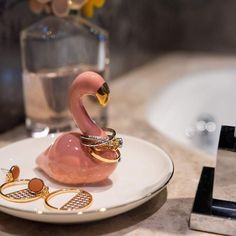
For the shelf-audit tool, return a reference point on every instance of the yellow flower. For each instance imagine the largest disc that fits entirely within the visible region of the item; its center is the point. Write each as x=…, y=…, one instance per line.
x=88, y=8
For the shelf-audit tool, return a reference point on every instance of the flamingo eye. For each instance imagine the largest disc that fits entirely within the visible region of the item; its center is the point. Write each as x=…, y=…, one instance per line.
x=104, y=89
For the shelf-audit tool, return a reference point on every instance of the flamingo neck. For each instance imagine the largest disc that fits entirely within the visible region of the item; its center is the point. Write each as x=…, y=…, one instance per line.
x=82, y=119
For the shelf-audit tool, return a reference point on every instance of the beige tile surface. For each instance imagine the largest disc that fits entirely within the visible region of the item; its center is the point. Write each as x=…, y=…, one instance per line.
x=129, y=95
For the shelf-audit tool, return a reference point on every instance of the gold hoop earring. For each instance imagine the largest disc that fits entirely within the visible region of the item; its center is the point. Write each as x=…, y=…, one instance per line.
x=79, y=202
x=35, y=190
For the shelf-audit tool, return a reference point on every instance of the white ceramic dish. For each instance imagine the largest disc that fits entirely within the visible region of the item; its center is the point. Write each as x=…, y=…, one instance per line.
x=142, y=173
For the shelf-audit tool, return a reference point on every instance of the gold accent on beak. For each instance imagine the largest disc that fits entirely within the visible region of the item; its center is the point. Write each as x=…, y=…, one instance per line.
x=103, y=94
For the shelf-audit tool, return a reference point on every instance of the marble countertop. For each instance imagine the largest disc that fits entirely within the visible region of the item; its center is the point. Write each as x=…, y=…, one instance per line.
x=130, y=94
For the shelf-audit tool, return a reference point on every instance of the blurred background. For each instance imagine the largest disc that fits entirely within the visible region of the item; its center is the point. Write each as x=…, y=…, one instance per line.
x=139, y=32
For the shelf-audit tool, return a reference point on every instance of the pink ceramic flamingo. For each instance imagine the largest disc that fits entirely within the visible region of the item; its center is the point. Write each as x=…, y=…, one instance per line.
x=67, y=160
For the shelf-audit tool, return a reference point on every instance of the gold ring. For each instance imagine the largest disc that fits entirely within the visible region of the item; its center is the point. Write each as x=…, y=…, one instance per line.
x=95, y=144
x=114, y=144
x=80, y=201
x=106, y=160
x=22, y=195
x=100, y=138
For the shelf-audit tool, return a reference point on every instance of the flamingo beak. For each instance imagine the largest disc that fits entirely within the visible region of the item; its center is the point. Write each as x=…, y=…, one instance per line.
x=103, y=94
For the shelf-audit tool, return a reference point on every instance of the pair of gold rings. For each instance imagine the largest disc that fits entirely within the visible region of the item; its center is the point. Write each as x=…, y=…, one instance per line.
x=36, y=189
x=97, y=145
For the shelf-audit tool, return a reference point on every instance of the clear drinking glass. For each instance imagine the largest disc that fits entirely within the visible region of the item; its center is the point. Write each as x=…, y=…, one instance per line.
x=54, y=51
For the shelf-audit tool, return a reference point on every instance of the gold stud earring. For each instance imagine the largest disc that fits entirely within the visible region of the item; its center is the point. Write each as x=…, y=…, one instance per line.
x=12, y=174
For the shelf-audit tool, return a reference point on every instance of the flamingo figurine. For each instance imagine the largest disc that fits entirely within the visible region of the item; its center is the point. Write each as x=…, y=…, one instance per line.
x=68, y=160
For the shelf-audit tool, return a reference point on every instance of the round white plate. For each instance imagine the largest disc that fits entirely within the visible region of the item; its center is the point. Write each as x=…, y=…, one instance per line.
x=142, y=173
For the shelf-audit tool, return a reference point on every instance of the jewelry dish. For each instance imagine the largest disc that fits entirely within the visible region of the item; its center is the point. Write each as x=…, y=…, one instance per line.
x=143, y=172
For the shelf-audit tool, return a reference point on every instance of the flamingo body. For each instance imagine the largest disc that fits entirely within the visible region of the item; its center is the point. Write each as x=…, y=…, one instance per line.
x=67, y=160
